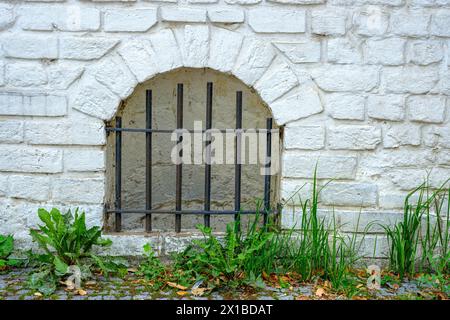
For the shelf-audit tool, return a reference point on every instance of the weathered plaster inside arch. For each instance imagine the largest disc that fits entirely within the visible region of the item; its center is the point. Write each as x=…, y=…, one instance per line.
x=164, y=100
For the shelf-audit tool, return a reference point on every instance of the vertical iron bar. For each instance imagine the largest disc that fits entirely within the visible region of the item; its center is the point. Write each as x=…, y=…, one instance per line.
x=179, y=169
x=118, y=177
x=148, y=165
x=267, y=169
x=208, y=125
x=237, y=156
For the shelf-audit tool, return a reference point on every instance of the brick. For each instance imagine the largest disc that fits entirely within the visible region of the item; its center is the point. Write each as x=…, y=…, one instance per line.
x=437, y=137
x=30, y=47
x=3, y=185
x=96, y=100
x=226, y=16
x=62, y=75
x=440, y=24
x=267, y=20
x=346, y=77
x=443, y=85
x=15, y=104
x=298, y=165
x=78, y=190
x=183, y=14
x=255, y=57
x=328, y=22
x=408, y=179
x=195, y=46
x=430, y=3
x=386, y=107
x=243, y=2
x=412, y=24
x=26, y=74
x=357, y=221
x=224, y=49
x=166, y=51
x=371, y=22
x=7, y=17
x=349, y=194
x=425, y=52
x=341, y=50
x=130, y=20
x=29, y=187
x=69, y=18
x=138, y=59
x=354, y=137
x=387, y=51
x=278, y=80
x=2, y=73
x=397, y=135
x=384, y=160
x=390, y=200
x=76, y=131
x=114, y=74
x=79, y=160
x=11, y=131
x=300, y=52
x=30, y=159
x=409, y=79
x=294, y=190
x=345, y=106
x=202, y=1
x=304, y=102
x=78, y=48
x=298, y=1
x=429, y=109
x=304, y=137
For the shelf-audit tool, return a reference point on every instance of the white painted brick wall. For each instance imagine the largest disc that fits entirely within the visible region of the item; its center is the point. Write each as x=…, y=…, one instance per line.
x=361, y=87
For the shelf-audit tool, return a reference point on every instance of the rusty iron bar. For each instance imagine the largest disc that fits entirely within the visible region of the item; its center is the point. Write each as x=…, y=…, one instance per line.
x=268, y=164
x=179, y=166
x=148, y=160
x=208, y=125
x=237, y=157
x=118, y=176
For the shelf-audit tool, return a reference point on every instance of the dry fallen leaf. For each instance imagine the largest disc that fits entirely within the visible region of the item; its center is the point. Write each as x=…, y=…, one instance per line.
x=358, y=298
x=81, y=292
x=38, y=294
x=176, y=285
x=320, y=292
x=132, y=270
x=198, y=291
x=182, y=293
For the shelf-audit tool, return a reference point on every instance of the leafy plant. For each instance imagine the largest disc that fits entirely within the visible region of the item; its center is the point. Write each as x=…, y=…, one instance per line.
x=230, y=260
x=151, y=268
x=66, y=241
x=6, y=249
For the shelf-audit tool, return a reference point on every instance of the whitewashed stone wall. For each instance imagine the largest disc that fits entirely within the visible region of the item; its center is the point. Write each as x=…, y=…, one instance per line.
x=360, y=85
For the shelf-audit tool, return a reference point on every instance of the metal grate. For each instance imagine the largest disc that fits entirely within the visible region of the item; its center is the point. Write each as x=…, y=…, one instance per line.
x=178, y=211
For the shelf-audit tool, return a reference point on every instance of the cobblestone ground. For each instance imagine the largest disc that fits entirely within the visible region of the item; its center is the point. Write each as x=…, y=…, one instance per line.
x=13, y=287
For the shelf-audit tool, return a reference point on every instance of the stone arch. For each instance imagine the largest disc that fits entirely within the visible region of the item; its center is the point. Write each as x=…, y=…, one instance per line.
x=255, y=62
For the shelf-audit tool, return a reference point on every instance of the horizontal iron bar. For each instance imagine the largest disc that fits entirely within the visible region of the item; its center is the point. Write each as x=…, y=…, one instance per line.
x=213, y=212
x=112, y=129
